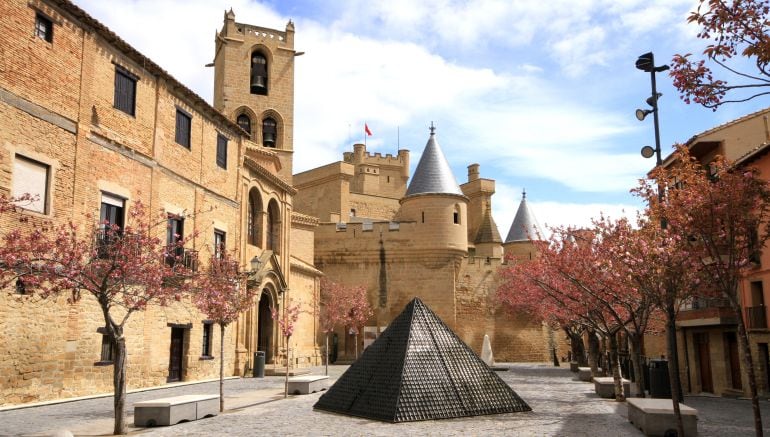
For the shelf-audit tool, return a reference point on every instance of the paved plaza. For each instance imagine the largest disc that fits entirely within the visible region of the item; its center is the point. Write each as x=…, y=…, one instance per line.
x=560, y=405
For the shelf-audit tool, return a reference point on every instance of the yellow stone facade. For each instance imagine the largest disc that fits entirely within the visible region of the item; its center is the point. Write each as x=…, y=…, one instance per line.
x=58, y=111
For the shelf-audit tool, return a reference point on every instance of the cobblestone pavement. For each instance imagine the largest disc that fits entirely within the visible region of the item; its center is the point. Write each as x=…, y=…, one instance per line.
x=561, y=407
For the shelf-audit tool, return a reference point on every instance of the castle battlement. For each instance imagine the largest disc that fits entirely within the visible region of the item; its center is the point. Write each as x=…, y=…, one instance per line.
x=359, y=156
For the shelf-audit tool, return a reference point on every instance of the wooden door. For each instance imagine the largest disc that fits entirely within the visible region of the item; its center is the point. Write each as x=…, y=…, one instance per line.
x=176, y=355
x=731, y=342
x=703, y=353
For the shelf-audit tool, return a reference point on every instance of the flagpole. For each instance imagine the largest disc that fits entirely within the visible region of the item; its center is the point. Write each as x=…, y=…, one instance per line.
x=364, y=134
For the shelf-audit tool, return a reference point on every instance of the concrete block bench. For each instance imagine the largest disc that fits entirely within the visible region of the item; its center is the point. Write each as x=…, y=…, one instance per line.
x=170, y=411
x=302, y=385
x=584, y=374
x=605, y=387
x=573, y=366
x=655, y=416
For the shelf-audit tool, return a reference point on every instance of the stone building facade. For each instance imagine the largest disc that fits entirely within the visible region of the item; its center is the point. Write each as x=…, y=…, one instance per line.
x=87, y=123
x=427, y=237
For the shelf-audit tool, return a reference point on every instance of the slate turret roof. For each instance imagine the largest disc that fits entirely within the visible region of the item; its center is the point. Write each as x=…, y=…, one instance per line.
x=488, y=232
x=418, y=369
x=433, y=174
x=524, y=226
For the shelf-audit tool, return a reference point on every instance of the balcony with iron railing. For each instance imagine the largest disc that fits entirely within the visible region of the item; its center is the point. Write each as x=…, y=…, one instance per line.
x=177, y=256
x=706, y=311
x=109, y=243
x=756, y=317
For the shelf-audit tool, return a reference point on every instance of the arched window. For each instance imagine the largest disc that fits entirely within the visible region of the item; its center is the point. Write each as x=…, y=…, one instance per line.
x=253, y=221
x=258, y=83
x=269, y=132
x=244, y=122
x=273, y=231
x=456, y=215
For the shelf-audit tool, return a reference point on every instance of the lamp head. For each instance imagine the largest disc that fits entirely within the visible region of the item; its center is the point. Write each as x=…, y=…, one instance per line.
x=642, y=113
x=647, y=151
x=255, y=264
x=645, y=62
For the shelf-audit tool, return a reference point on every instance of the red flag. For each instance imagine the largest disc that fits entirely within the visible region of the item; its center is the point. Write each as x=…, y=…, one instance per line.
x=366, y=129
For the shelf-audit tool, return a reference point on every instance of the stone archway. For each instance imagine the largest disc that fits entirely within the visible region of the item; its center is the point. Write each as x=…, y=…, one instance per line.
x=265, y=326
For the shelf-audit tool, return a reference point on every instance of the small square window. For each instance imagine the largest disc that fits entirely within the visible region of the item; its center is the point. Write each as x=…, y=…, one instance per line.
x=207, y=330
x=43, y=27
x=125, y=91
x=183, y=121
x=108, y=351
x=222, y=151
x=31, y=177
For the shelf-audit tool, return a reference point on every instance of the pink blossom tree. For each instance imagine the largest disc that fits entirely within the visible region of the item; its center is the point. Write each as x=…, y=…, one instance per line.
x=286, y=323
x=122, y=270
x=360, y=310
x=222, y=295
x=332, y=303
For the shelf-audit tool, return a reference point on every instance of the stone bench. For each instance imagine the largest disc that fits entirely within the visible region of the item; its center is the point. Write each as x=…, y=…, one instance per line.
x=655, y=416
x=605, y=387
x=170, y=411
x=573, y=366
x=584, y=374
x=302, y=385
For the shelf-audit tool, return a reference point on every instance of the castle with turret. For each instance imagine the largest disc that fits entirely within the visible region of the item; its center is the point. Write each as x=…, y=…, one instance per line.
x=424, y=236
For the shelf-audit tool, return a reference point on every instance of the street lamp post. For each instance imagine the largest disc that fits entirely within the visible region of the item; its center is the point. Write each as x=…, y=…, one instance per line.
x=646, y=63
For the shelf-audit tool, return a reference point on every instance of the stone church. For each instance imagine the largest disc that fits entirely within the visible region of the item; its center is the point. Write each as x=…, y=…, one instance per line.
x=91, y=125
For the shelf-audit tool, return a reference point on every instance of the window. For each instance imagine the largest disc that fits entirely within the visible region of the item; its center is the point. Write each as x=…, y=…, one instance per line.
x=174, y=233
x=108, y=351
x=183, y=121
x=207, y=330
x=43, y=27
x=268, y=132
x=456, y=215
x=258, y=83
x=244, y=122
x=31, y=177
x=273, y=228
x=221, y=151
x=255, y=205
x=220, y=243
x=125, y=91
x=21, y=288
x=110, y=223
x=352, y=212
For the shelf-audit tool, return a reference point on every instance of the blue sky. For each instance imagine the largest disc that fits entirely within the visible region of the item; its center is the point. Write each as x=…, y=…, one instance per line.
x=541, y=94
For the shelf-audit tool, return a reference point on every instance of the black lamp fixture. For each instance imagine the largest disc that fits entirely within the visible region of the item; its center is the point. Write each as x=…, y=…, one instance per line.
x=255, y=265
x=646, y=63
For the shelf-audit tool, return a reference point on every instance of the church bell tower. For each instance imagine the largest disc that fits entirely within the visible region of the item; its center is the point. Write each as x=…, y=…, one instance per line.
x=254, y=85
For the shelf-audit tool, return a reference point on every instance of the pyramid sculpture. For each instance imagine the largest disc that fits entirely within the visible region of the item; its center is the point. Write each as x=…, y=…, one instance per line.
x=418, y=369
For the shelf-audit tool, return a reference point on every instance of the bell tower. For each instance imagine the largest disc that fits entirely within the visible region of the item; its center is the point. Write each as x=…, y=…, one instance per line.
x=254, y=85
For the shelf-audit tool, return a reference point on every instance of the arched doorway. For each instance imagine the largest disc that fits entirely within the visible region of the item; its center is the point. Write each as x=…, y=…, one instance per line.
x=265, y=326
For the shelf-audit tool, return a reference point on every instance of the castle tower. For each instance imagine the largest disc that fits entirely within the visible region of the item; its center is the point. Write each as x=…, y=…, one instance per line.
x=254, y=84
x=435, y=202
x=488, y=242
x=523, y=231
x=479, y=192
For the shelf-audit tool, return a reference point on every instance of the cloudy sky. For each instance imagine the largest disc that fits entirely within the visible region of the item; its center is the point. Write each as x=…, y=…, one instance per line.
x=540, y=93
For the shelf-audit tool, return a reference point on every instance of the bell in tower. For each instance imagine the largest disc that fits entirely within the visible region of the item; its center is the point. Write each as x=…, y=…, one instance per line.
x=258, y=74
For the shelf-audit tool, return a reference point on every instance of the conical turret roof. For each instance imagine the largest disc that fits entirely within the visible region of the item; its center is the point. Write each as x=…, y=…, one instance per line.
x=524, y=226
x=418, y=369
x=433, y=174
x=488, y=232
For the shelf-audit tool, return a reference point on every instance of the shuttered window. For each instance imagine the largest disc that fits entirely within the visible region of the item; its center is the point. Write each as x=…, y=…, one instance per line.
x=221, y=151
x=125, y=91
x=43, y=27
x=183, y=121
x=31, y=177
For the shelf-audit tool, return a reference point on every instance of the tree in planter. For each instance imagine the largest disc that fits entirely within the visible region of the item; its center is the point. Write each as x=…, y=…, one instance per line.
x=124, y=270
x=723, y=214
x=738, y=45
x=286, y=323
x=222, y=295
x=333, y=304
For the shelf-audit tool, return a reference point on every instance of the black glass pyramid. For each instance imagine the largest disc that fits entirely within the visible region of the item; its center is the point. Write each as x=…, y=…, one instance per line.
x=418, y=369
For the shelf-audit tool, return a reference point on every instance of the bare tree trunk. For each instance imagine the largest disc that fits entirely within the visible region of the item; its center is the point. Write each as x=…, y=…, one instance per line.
x=615, y=366
x=673, y=365
x=593, y=352
x=635, y=342
x=577, y=347
x=743, y=339
x=119, y=381
x=286, y=379
x=327, y=353
x=221, y=368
